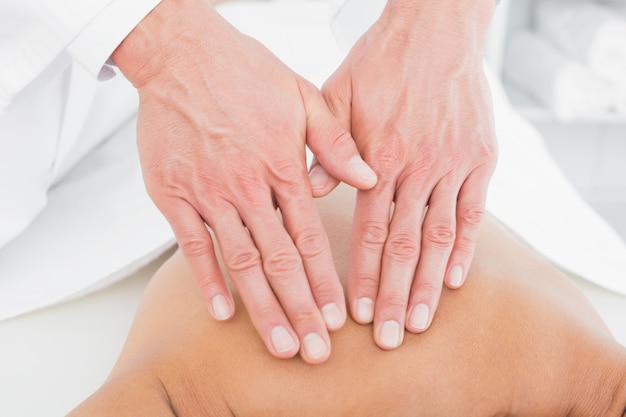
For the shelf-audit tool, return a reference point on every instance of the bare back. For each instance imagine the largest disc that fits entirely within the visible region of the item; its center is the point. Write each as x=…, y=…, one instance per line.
x=517, y=338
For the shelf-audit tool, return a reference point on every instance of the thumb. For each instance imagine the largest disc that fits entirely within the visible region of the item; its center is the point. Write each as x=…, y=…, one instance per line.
x=334, y=148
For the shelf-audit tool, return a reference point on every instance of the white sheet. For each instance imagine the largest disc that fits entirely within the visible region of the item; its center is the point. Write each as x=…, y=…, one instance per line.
x=100, y=225
x=52, y=359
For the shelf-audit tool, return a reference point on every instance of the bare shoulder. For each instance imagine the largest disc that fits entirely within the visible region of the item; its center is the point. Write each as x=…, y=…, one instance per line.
x=128, y=394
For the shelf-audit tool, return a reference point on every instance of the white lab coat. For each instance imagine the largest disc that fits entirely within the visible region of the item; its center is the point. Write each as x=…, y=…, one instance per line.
x=53, y=110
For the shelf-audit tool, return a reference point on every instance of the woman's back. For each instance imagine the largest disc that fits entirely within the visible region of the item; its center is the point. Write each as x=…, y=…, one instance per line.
x=517, y=339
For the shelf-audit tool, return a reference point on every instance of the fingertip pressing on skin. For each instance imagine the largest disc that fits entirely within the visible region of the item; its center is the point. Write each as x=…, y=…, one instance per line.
x=221, y=308
x=315, y=349
x=455, y=277
x=390, y=335
x=364, y=310
x=419, y=318
x=283, y=342
x=333, y=316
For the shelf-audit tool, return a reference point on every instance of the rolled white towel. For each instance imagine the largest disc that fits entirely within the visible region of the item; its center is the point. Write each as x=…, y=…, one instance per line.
x=590, y=32
x=617, y=5
x=566, y=87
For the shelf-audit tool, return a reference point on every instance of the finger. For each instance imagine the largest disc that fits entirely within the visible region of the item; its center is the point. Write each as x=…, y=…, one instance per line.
x=245, y=267
x=284, y=271
x=305, y=227
x=399, y=263
x=369, y=233
x=469, y=215
x=333, y=145
x=438, y=235
x=196, y=245
x=321, y=181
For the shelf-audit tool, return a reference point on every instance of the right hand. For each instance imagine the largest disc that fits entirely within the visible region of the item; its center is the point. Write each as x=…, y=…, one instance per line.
x=221, y=133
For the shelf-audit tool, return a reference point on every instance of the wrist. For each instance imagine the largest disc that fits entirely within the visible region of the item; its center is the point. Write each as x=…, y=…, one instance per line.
x=166, y=34
x=465, y=22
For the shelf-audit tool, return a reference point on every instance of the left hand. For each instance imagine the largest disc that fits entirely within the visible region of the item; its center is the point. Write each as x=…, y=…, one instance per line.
x=414, y=95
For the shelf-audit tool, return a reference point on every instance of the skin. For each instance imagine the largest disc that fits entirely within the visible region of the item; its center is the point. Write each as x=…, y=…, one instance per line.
x=517, y=340
x=221, y=134
x=421, y=117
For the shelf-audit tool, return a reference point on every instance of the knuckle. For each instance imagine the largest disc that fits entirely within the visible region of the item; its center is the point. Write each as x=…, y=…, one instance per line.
x=368, y=284
x=267, y=313
x=310, y=243
x=209, y=285
x=373, y=234
x=439, y=236
x=194, y=246
x=242, y=260
x=288, y=172
x=427, y=154
x=488, y=142
x=394, y=300
x=282, y=265
x=325, y=289
x=303, y=316
x=464, y=245
x=341, y=138
x=249, y=187
x=472, y=215
x=428, y=288
x=402, y=247
x=454, y=159
x=384, y=161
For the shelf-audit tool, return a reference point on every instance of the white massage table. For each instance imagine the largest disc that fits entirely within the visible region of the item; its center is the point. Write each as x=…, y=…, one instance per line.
x=53, y=358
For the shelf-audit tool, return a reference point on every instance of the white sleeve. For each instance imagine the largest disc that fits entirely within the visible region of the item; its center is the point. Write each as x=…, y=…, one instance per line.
x=39, y=38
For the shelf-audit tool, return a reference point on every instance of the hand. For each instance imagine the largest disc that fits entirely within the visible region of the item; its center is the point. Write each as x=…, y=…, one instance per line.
x=221, y=134
x=414, y=94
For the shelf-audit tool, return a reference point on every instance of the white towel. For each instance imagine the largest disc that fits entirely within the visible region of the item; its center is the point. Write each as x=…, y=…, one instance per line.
x=566, y=87
x=590, y=32
x=617, y=5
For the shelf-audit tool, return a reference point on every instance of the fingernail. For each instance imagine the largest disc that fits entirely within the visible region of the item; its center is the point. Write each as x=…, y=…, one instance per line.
x=419, y=317
x=455, y=276
x=318, y=177
x=390, y=334
x=364, y=310
x=362, y=169
x=221, y=308
x=314, y=346
x=332, y=316
x=282, y=340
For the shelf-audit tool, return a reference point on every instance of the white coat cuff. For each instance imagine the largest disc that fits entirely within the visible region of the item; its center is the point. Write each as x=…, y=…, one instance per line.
x=93, y=47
